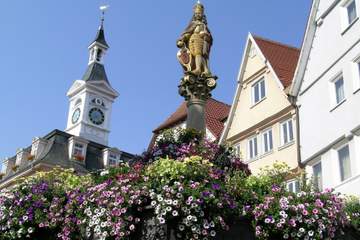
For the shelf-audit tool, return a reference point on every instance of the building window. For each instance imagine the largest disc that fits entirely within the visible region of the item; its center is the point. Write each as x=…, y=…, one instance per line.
x=252, y=52
x=339, y=90
x=113, y=159
x=237, y=150
x=344, y=162
x=287, y=133
x=356, y=74
x=351, y=11
x=78, y=149
x=317, y=175
x=267, y=141
x=258, y=91
x=253, y=148
x=293, y=186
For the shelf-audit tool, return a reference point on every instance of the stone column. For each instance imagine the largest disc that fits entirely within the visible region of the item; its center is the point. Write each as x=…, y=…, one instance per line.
x=196, y=114
x=196, y=91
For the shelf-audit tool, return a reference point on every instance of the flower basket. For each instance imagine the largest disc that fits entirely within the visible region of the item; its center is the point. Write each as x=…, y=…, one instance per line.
x=30, y=157
x=79, y=158
x=15, y=168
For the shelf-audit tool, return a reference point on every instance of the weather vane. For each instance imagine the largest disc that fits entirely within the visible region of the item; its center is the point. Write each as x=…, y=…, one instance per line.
x=103, y=9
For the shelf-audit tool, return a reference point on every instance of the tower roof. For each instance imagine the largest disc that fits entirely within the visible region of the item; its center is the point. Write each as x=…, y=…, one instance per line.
x=95, y=72
x=100, y=36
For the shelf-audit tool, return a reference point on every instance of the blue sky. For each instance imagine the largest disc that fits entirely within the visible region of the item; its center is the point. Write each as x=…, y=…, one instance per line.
x=44, y=49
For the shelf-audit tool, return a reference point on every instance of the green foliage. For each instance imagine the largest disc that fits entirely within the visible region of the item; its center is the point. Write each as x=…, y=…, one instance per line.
x=166, y=170
x=111, y=173
x=352, y=209
x=252, y=189
x=62, y=179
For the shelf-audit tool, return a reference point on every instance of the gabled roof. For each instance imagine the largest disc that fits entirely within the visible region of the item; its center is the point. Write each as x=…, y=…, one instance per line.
x=216, y=114
x=283, y=58
x=280, y=58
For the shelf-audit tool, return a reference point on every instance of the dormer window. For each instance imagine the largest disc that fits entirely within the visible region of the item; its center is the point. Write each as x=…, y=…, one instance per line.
x=77, y=149
x=37, y=147
x=112, y=157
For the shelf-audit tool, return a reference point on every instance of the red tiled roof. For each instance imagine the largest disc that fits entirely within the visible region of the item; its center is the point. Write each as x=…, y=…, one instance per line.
x=283, y=58
x=216, y=113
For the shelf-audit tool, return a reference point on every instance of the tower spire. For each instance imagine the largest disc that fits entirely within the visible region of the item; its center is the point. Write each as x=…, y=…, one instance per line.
x=100, y=35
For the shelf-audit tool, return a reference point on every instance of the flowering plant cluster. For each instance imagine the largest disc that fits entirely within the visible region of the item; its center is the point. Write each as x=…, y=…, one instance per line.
x=180, y=143
x=111, y=209
x=192, y=186
x=305, y=215
x=79, y=157
x=36, y=204
x=191, y=197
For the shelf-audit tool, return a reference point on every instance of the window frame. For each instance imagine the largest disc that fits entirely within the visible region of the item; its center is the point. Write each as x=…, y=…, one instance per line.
x=356, y=74
x=268, y=140
x=253, y=90
x=282, y=136
x=318, y=184
x=346, y=6
x=250, y=140
x=78, y=149
x=237, y=150
x=337, y=97
x=295, y=183
x=341, y=167
x=346, y=22
x=113, y=157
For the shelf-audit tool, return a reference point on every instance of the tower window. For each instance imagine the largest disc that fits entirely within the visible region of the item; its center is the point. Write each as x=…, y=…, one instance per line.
x=92, y=54
x=99, y=55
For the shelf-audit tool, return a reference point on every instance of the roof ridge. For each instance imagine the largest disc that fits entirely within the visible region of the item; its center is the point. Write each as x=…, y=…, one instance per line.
x=276, y=42
x=223, y=103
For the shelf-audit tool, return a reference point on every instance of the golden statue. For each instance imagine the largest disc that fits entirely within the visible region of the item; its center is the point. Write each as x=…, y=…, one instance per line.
x=195, y=44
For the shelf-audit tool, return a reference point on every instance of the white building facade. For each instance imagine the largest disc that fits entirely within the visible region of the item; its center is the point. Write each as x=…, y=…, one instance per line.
x=327, y=84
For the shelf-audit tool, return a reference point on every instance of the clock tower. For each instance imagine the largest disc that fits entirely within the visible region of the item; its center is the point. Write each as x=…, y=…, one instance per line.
x=91, y=98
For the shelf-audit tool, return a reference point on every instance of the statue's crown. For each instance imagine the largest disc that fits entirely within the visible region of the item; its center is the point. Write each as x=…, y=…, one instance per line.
x=199, y=8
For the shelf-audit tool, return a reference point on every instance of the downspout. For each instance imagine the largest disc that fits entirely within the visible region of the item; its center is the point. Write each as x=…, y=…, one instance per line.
x=298, y=145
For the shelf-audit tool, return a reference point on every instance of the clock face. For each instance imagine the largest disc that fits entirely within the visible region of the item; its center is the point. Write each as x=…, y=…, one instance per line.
x=96, y=116
x=76, y=115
